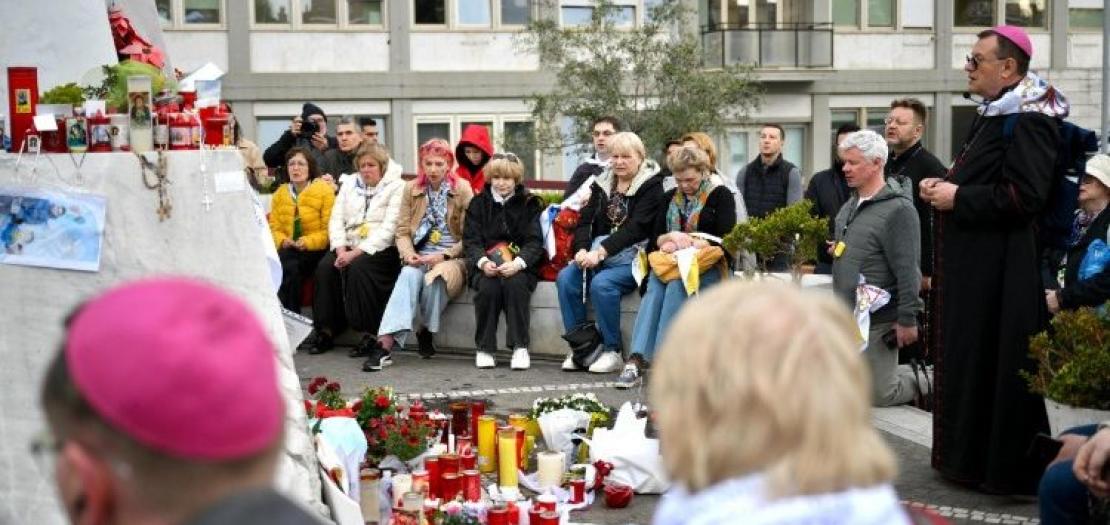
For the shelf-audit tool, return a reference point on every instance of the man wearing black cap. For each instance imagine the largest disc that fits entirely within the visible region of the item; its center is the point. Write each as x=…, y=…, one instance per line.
x=308, y=130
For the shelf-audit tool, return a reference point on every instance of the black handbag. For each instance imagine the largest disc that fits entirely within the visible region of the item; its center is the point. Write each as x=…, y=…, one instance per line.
x=585, y=344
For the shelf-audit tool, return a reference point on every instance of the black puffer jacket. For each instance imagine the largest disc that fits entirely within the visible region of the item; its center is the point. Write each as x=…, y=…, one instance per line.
x=517, y=221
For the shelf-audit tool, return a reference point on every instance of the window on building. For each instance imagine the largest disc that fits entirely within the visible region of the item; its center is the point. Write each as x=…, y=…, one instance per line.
x=365, y=12
x=319, y=14
x=473, y=13
x=430, y=12
x=741, y=145
x=1085, y=14
x=846, y=12
x=989, y=13
x=507, y=133
x=181, y=14
x=575, y=13
x=271, y=11
x=867, y=14
x=962, y=118
x=516, y=12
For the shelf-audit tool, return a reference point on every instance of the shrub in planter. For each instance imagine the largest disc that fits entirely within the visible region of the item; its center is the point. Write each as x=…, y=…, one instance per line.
x=792, y=230
x=1073, y=360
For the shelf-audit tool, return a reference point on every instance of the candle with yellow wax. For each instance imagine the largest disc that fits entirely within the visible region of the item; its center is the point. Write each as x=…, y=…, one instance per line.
x=487, y=448
x=506, y=457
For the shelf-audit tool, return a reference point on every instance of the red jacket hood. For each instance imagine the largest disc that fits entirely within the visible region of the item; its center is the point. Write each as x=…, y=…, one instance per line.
x=478, y=136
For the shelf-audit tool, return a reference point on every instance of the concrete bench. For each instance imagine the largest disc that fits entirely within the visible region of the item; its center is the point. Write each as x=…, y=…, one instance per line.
x=545, y=325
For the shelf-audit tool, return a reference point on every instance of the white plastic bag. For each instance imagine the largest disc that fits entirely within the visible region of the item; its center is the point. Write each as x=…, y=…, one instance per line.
x=558, y=427
x=635, y=458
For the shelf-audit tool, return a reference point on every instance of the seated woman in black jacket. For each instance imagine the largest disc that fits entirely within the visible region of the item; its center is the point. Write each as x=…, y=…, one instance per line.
x=1091, y=224
x=502, y=239
x=695, y=205
x=614, y=224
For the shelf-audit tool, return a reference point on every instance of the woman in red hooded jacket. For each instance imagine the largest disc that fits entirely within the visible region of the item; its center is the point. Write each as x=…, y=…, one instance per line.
x=473, y=152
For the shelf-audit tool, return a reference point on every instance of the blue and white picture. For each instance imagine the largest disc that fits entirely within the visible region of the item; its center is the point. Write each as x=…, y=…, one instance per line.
x=52, y=229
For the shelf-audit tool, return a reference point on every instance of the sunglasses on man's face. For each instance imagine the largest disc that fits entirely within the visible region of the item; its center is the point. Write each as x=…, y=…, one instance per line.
x=509, y=156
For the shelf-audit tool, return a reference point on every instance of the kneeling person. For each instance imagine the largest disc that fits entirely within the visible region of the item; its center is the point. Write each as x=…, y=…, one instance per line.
x=503, y=240
x=878, y=238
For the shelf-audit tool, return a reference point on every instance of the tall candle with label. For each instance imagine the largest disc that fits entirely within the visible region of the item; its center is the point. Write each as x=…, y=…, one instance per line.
x=507, y=457
x=487, y=438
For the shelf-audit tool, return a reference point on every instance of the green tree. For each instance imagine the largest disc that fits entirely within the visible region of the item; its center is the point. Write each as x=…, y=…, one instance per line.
x=651, y=76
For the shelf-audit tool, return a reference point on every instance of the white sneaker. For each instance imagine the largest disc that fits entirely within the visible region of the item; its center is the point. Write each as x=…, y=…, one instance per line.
x=484, y=360
x=520, y=361
x=568, y=363
x=608, y=363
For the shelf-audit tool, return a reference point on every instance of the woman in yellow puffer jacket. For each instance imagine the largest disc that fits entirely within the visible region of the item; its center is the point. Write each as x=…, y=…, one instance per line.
x=299, y=216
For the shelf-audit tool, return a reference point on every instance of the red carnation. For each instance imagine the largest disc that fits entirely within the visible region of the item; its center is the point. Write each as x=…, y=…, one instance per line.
x=390, y=420
x=313, y=387
x=381, y=402
x=357, y=406
x=405, y=431
x=382, y=434
x=333, y=386
x=413, y=441
x=375, y=423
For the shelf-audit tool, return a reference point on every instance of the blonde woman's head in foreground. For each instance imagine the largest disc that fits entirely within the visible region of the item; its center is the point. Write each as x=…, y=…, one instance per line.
x=763, y=378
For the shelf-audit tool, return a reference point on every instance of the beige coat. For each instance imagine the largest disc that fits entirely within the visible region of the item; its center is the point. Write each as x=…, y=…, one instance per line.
x=414, y=204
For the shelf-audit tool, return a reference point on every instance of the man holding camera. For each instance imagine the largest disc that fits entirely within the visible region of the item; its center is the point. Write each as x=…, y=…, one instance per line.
x=308, y=130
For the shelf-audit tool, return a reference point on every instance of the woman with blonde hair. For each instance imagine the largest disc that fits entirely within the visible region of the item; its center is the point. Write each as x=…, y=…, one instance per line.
x=703, y=142
x=613, y=226
x=763, y=406
x=697, y=214
x=354, y=279
x=429, y=242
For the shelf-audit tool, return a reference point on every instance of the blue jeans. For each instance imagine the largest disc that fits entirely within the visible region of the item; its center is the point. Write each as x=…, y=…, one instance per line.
x=413, y=301
x=1061, y=497
x=607, y=285
x=658, y=307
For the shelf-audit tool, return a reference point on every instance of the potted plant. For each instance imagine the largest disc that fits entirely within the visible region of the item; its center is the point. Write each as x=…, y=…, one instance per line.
x=792, y=231
x=1073, y=368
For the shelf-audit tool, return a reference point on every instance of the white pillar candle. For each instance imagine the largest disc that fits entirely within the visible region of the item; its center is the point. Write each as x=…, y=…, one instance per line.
x=550, y=467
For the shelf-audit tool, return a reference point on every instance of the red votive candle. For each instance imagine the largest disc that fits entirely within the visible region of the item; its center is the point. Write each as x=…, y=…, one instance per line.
x=497, y=516
x=468, y=461
x=477, y=410
x=449, y=463
x=450, y=486
x=431, y=465
x=460, y=422
x=472, y=485
x=577, y=491
x=463, y=443
x=548, y=518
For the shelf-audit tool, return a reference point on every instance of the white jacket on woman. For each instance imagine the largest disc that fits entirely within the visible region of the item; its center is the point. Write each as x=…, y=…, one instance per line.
x=379, y=213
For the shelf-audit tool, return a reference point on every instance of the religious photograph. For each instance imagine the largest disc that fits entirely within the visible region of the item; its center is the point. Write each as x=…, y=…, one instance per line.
x=51, y=229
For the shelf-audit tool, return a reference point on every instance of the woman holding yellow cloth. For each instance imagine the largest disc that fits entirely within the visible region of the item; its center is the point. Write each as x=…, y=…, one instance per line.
x=694, y=205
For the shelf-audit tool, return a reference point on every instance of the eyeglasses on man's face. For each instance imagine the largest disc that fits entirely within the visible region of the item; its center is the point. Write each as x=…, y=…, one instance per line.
x=973, y=61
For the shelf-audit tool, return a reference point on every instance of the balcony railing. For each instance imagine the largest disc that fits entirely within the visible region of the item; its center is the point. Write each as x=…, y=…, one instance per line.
x=798, y=45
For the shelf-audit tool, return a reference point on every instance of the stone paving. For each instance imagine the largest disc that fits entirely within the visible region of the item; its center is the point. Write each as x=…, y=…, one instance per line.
x=453, y=375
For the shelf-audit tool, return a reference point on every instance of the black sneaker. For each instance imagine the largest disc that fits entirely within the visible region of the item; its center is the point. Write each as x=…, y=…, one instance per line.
x=317, y=342
x=379, y=359
x=363, y=348
x=426, y=339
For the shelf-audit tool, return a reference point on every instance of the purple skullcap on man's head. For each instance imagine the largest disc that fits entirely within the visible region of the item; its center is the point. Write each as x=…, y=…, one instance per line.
x=1016, y=35
x=179, y=366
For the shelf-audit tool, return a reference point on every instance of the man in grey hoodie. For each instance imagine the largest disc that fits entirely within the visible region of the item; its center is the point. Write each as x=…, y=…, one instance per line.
x=877, y=236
